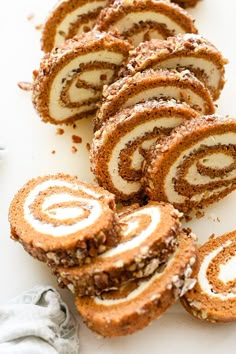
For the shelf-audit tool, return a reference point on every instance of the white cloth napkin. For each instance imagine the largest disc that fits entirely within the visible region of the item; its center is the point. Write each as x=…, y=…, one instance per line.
x=38, y=322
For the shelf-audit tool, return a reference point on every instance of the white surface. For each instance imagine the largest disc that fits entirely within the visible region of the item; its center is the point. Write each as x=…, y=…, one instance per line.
x=30, y=143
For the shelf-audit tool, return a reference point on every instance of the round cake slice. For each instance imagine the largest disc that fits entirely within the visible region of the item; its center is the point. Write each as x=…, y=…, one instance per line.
x=189, y=51
x=214, y=296
x=159, y=84
x=186, y=3
x=117, y=151
x=69, y=18
x=148, y=237
x=71, y=77
x=138, y=303
x=140, y=20
x=61, y=220
x=195, y=166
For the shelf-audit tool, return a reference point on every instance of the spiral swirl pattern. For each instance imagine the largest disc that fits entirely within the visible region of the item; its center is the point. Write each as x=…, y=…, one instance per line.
x=214, y=296
x=142, y=20
x=148, y=237
x=158, y=84
x=189, y=50
x=195, y=166
x=69, y=18
x=137, y=303
x=71, y=77
x=63, y=219
x=117, y=150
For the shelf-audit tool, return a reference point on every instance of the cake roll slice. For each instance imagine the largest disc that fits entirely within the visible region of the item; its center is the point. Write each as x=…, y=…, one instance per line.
x=71, y=77
x=118, y=147
x=61, y=220
x=195, y=166
x=148, y=237
x=139, y=302
x=159, y=84
x=190, y=51
x=186, y=3
x=69, y=18
x=214, y=296
x=141, y=20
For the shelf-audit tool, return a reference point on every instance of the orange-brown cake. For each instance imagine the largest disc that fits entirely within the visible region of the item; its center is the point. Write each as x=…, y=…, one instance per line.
x=162, y=83
x=189, y=51
x=60, y=220
x=69, y=18
x=140, y=20
x=214, y=296
x=148, y=237
x=71, y=77
x=186, y=3
x=116, y=159
x=139, y=302
x=194, y=166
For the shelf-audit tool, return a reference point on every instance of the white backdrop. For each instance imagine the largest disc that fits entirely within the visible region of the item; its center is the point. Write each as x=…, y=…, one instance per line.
x=30, y=143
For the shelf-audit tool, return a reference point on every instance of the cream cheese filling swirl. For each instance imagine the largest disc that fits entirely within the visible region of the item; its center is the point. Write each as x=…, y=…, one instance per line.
x=220, y=264
x=143, y=20
x=59, y=208
x=77, y=87
x=70, y=18
x=197, y=164
x=71, y=77
x=190, y=181
x=125, y=138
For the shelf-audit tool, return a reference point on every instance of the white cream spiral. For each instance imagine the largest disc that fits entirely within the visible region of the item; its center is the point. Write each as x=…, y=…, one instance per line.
x=226, y=273
x=77, y=86
x=62, y=208
x=207, y=174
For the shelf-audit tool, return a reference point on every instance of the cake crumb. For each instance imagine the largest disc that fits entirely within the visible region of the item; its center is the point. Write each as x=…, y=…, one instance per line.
x=74, y=126
x=60, y=131
x=76, y=139
x=212, y=236
x=88, y=146
x=24, y=85
x=74, y=149
x=200, y=214
x=35, y=74
x=53, y=152
x=38, y=27
x=30, y=17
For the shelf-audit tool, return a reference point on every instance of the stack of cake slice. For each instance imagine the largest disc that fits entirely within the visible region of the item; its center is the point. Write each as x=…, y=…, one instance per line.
x=137, y=155
x=125, y=269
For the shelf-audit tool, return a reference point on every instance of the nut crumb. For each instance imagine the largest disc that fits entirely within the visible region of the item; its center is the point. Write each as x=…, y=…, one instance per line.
x=74, y=149
x=24, y=85
x=88, y=146
x=212, y=236
x=76, y=139
x=38, y=27
x=53, y=152
x=74, y=126
x=30, y=17
x=60, y=131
